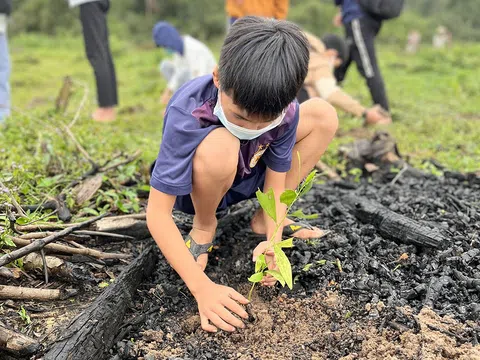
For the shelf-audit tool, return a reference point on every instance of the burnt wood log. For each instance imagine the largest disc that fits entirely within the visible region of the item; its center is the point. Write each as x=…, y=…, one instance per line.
x=392, y=225
x=54, y=203
x=16, y=343
x=90, y=335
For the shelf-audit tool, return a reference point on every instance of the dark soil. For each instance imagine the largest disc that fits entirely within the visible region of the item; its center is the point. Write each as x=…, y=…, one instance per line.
x=377, y=307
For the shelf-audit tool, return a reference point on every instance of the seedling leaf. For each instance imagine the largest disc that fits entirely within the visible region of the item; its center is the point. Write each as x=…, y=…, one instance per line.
x=283, y=265
x=255, y=278
x=307, y=267
x=260, y=264
x=277, y=276
x=267, y=202
x=300, y=215
x=286, y=243
x=308, y=183
x=321, y=262
x=288, y=197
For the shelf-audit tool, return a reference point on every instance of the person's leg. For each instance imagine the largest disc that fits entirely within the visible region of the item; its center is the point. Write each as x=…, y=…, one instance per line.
x=4, y=78
x=94, y=24
x=113, y=75
x=341, y=72
x=363, y=34
x=214, y=168
x=316, y=129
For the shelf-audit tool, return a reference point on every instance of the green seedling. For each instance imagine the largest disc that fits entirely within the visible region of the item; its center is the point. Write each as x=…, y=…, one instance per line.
x=268, y=203
x=307, y=267
x=25, y=317
x=357, y=173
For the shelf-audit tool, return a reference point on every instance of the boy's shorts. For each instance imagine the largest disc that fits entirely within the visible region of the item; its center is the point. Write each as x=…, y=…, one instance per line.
x=242, y=189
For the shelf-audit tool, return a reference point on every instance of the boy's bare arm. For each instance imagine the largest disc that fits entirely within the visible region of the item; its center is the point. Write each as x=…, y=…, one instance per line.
x=170, y=241
x=214, y=301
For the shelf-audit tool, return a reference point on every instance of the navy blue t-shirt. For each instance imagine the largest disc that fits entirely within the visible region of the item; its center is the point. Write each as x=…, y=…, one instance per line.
x=189, y=119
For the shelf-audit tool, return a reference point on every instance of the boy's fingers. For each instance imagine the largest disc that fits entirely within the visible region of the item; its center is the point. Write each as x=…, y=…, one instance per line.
x=230, y=319
x=205, y=325
x=214, y=318
x=238, y=297
x=259, y=250
x=237, y=309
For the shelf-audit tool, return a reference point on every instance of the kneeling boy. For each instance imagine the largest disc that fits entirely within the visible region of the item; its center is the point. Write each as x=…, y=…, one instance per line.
x=227, y=135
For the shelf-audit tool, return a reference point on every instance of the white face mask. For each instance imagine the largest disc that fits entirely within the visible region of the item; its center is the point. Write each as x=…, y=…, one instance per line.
x=240, y=132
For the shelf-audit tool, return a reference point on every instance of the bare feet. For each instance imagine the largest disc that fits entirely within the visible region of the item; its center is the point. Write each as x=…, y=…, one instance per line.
x=258, y=227
x=104, y=114
x=202, y=237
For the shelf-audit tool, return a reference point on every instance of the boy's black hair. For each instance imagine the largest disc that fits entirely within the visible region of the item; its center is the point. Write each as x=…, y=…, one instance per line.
x=263, y=64
x=335, y=42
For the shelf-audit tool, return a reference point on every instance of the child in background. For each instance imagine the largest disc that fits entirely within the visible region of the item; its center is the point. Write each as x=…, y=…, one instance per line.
x=225, y=136
x=326, y=55
x=191, y=58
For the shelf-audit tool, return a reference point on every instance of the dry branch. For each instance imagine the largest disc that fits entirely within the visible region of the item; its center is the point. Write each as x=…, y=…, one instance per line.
x=71, y=250
x=106, y=234
x=123, y=162
x=39, y=244
x=42, y=227
x=16, y=343
x=14, y=201
x=24, y=293
x=8, y=273
x=61, y=103
x=82, y=104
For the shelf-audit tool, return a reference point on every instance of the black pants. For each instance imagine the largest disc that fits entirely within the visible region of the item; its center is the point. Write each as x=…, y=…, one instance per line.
x=361, y=35
x=93, y=16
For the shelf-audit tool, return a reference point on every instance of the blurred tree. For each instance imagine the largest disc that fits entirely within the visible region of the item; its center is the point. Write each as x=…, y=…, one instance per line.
x=205, y=19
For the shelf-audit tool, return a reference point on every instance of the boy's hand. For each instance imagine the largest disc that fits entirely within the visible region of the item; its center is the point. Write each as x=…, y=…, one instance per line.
x=337, y=20
x=216, y=303
x=265, y=247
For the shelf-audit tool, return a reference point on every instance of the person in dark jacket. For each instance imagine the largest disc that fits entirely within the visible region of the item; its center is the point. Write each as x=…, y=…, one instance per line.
x=93, y=15
x=361, y=29
x=5, y=9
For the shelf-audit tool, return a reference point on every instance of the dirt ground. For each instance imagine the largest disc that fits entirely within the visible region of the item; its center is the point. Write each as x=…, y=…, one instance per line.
x=324, y=326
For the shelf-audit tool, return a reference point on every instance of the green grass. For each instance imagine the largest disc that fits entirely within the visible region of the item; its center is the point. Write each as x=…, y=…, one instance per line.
x=432, y=96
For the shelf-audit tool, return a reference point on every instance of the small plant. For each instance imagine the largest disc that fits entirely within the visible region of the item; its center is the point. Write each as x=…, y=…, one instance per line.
x=25, y=317
x=357, y=174
x=268, y=204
